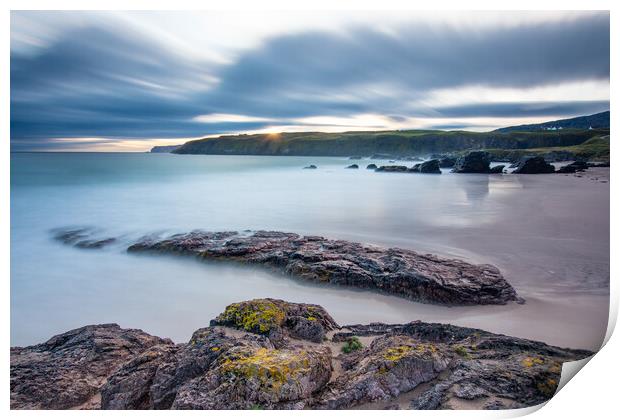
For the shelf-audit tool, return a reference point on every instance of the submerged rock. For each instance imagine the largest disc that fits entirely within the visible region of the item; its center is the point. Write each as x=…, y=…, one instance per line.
x=534, y=165
x=354, y=166
x=237, y=364
x=473, y=162
x=421, y=277
x=310, y=167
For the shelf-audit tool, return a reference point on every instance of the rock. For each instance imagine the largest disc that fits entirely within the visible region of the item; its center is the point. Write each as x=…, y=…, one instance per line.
x=130, y=386
x=430, y=167
x=421, y=277
x=81, y=238
x=447, y=162
x=497, y=169
x=558, y=156
x=473, y=162
x=371, y=166
x=571, y=168
x=248, y=376
x=534, y=165
x=355, y=158
x=276, y=318
x=599, y=164
x=390, y=366
x=310, y=167
x=392, y=168
x=481, y=367
x=354, y=166
x=469, y=391
x=67, y=370
x=236, y=364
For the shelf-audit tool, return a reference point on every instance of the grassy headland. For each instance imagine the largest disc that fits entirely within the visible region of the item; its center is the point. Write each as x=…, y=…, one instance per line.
x=394, y=143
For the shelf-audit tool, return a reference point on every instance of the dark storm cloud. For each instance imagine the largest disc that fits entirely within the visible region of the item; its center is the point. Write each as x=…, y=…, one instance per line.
x=95, y=81
x=419, y=59
x=529, y=109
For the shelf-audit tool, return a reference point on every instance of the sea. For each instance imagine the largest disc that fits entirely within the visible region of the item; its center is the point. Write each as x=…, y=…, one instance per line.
x=548, y=234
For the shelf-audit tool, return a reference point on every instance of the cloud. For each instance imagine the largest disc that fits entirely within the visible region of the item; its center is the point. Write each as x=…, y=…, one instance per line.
x=95, y=80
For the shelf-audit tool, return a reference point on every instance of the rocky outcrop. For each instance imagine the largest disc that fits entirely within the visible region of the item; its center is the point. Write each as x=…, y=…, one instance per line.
x=534, y=165
x=253, y=356
x=427, y=167
x=68, y=370
x=473, y=162
x=421, y=277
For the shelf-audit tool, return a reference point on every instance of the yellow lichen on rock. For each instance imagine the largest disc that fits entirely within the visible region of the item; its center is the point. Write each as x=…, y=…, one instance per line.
x=256, y=316
x=394, y=354
x=528, y=362
x=267, y=365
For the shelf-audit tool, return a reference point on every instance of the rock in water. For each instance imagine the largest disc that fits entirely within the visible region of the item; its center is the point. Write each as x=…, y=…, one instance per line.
x=354, y=166
x=534, y=165
x=310, y=167
x=571, y=168
x=428, y=167
x=497, y=169
x=371, y=166
x=473, y=162
x=421, y=277
x=392, y=168
x=67, y=370
x=259, y=354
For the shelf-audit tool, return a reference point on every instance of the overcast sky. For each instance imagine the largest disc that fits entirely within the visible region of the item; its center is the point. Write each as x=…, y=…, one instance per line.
x=126, y=81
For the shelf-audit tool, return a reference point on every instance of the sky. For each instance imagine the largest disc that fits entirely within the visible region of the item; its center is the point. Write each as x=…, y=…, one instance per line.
x=127, y=81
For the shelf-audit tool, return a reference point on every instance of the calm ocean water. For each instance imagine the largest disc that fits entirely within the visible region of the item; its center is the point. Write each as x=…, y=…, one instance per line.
x=549, y=234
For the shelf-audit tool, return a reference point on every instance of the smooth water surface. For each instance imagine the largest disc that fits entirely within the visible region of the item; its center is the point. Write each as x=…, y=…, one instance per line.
x=548, y=234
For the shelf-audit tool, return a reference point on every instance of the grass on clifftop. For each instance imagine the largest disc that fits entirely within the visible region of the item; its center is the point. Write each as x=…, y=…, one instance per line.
x=394, y=143
x=596, y=148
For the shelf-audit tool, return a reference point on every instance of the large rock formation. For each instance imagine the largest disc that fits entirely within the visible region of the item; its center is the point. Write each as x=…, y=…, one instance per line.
x=421, y=277
x=259, y=354
x=534, y=165
x=473, y=162
x=68, y=369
